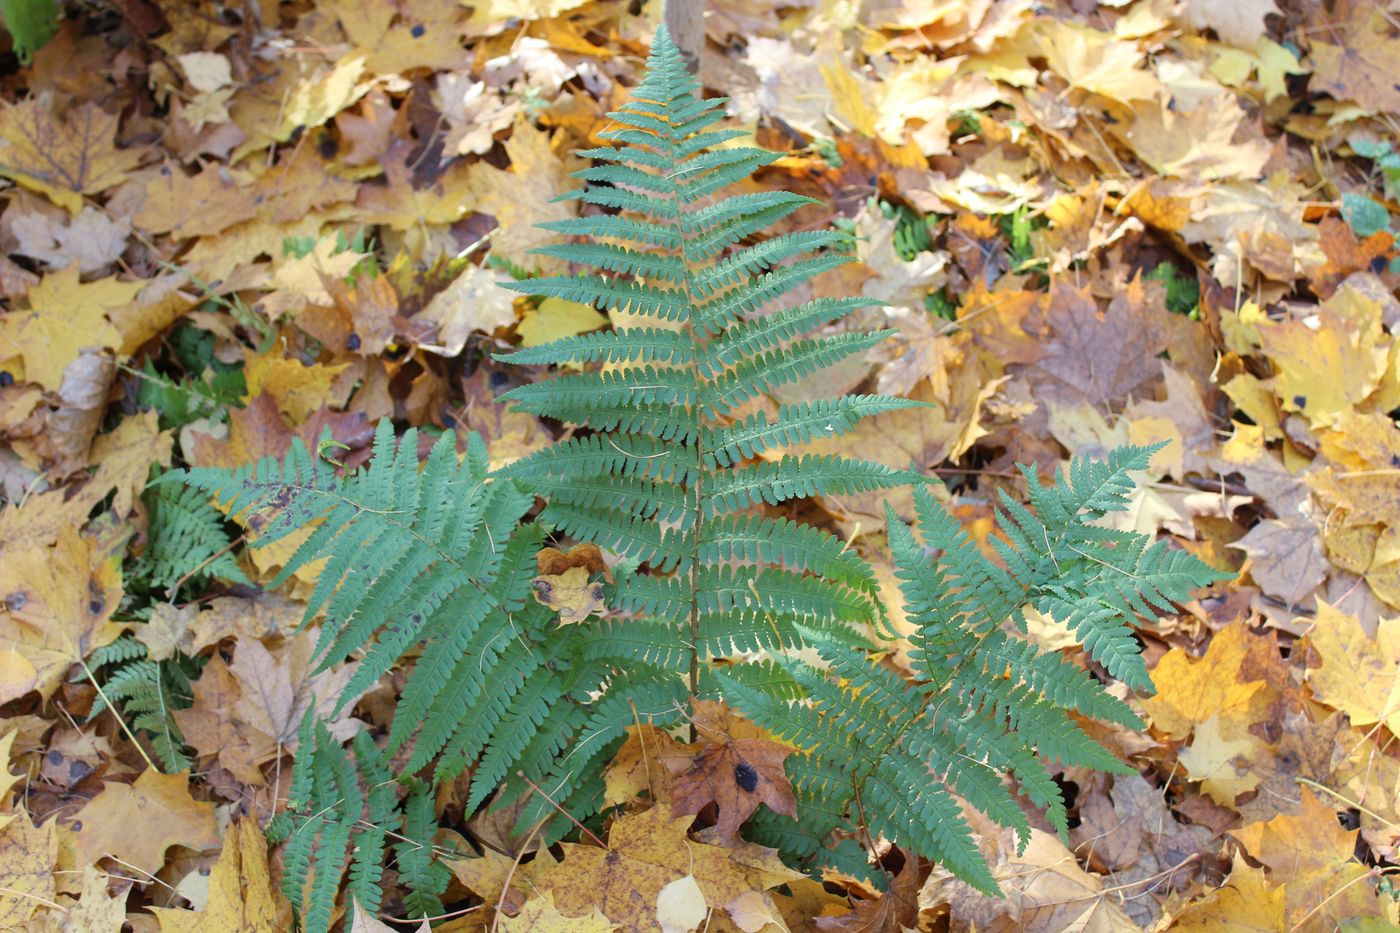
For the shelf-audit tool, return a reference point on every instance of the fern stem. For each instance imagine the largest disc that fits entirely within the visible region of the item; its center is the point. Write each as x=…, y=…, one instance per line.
x=120, y=721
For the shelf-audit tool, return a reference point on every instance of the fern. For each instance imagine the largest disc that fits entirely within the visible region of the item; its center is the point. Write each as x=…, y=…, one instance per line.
x=677, y=474
x=435, y=560
x=146, y=692
x=187, y=538
x=341, y=811
x=986, y=705
x=673, y=470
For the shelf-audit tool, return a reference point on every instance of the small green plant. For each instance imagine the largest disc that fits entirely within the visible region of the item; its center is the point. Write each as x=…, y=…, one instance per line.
x=715, y=592
x=146, y=693
x=342, y=807
x=186, y=542
x=1183, y=290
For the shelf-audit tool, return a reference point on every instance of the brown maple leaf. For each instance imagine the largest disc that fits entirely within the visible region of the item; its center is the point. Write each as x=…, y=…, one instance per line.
x=737, y=775
x=893, y=912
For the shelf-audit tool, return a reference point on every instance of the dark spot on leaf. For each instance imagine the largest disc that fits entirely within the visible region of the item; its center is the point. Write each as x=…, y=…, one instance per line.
x=1301, y=401
x=55, y=758
x=746, y=777
x=352, y=342
x=78, y=770
x=7, y=378
x=16, y=601
x=417, y=31
x=77, y=826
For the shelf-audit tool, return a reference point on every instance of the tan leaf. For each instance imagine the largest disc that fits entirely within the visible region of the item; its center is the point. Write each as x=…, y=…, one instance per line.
x=138, y=822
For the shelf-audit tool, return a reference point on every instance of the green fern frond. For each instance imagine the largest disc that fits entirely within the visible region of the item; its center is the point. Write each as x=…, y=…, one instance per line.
x=187, y=537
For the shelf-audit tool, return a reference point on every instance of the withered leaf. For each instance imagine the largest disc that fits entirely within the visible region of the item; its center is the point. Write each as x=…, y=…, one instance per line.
x=737, y=775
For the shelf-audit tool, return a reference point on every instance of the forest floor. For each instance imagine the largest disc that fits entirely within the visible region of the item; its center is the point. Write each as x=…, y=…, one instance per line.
x=1136, y=221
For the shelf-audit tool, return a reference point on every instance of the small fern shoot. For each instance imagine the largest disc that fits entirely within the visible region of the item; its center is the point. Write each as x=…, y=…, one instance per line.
x=341, y=810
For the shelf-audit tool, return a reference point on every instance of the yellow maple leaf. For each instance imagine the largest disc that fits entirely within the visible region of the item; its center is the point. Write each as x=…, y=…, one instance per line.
x=241, y=896
x=137, y=822
x=57, y=603
x=1096, y=61
x=1191, y=691
x=65, y=316
x=27, y=857
x=1310, y=855
x=1358, y=675
x=1221, y=761
x=297, y=389
x=524, y=195
x=62, y=159
x=1245, y=902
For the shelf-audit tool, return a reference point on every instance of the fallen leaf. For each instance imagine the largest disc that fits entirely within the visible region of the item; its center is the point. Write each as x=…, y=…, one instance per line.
x=474, y=302
x=138, y=822
x=241, y=896
x=893, y=912
x=1220, y=762
x=27, y=858
x=556, y=318
x=571, y=595
x=1309, y=854
x=94, y=910
x=1190, y=691
x=57, y=603
x=736, y=775
x=647, y=851
x=681, y=907
x=539, y=915
x=63, y=159
x=1244, y=903
x=1358, y=675
x=65, y=316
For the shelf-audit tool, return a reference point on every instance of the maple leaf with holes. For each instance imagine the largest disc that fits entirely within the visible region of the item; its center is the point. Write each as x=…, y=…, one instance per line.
x=737, y=775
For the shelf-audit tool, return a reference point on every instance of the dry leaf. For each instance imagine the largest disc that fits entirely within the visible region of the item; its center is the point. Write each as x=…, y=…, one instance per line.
x=138, y=822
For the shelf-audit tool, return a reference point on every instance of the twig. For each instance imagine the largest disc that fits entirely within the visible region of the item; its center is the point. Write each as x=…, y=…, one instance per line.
x=116, y=715
x=583, y=829
x=510, y=875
